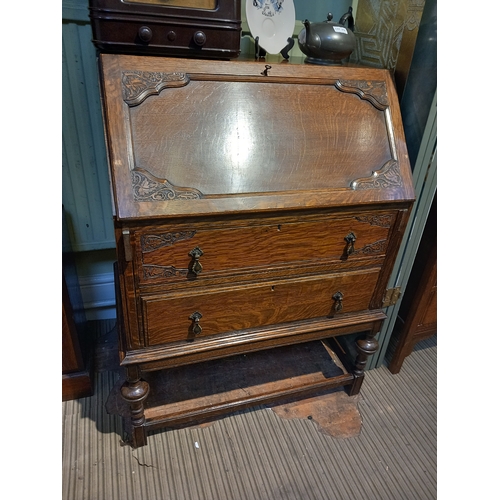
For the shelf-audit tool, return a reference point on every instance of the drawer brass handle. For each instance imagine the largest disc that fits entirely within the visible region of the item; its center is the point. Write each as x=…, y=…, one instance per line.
x=196, y=253
x=338, y=298
x=196, y=316
x=350, y=238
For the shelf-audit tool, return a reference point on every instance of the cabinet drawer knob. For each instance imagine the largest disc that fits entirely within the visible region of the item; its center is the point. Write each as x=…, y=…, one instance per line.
x=145, y=34
x=338, y=298
x=350, y=238
x=195, y=317
x=196, y=253
x=200, y=38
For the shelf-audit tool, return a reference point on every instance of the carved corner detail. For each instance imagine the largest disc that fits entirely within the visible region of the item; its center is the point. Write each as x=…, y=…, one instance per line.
x=388, y=176
x=377, y=220
x=139, y=85
x=147, y=187
x=151, y=272
x=152, y=242
x=372, y=248
x=374, y=92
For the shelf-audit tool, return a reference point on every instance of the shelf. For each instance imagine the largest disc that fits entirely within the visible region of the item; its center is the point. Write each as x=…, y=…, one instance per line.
x=195, y=393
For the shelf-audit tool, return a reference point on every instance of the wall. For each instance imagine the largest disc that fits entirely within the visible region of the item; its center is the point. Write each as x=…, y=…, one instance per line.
x=86, y=193
x=317, y=11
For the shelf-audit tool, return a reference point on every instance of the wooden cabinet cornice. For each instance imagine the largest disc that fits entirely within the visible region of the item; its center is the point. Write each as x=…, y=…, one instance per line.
x=256, y=207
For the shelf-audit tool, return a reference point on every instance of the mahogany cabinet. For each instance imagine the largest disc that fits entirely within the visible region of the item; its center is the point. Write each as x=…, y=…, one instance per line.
x=258, y=213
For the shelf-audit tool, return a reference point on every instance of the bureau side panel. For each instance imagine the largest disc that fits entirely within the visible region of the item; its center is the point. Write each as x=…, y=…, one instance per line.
x=395, y=239
x=130, y=337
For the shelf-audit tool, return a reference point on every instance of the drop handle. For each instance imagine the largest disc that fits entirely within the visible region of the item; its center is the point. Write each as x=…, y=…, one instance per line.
x=196, y=253
x=195, y=317
x=338, y=298
x=350, y=238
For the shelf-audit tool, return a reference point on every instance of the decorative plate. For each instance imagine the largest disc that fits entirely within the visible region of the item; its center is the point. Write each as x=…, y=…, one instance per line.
x=273, y=21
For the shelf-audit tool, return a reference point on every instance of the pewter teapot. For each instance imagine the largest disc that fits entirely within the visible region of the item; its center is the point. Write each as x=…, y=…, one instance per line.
x=328, y=42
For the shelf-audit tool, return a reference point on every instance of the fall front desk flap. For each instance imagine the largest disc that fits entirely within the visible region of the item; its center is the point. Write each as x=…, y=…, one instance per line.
x=201, y=137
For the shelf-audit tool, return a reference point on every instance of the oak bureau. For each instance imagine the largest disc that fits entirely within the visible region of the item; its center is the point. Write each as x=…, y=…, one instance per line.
x=258, y=212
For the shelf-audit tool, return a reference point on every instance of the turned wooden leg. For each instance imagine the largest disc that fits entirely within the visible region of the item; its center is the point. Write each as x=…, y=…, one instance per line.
x=366, y=347
x=135, y=391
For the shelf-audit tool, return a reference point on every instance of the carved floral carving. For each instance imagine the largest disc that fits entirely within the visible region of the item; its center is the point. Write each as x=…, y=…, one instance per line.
x=151, y=272
x=147, y=187
x=372, y=248
x=374, y=92
x=139, y=85
x=388, y=176
x=377, y=220
x=152, y=242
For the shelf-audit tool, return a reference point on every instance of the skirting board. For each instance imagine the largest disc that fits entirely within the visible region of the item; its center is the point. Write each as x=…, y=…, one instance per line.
x=98, y=295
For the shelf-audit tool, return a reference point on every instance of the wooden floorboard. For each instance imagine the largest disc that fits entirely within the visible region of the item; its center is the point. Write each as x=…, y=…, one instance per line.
x=256, y=454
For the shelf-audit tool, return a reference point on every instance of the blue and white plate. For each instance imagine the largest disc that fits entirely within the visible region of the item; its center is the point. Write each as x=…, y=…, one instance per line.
x=273, y=21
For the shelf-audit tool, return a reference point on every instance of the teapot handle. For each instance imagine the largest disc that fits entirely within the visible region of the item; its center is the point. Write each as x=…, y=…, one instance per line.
x=349, y=18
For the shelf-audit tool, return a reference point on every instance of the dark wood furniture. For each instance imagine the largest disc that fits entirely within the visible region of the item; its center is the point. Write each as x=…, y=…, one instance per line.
x=77, y=380
x=258, y=211
x=188, y=28
x=77, y=376
x=417, y=317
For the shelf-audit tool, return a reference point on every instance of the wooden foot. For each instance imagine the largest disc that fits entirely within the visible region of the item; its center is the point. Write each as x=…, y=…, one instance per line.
x=402, y=351
x=135, y=391
x=355, y=387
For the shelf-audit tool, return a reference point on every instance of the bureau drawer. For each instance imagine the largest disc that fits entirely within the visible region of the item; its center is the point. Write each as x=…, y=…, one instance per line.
x=196, y=252
x=187, y=316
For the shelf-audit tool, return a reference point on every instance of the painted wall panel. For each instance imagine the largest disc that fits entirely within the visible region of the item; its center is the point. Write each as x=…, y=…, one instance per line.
x=86, y=193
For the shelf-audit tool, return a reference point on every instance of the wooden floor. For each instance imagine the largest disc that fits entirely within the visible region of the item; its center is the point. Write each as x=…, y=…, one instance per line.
x=257, y=454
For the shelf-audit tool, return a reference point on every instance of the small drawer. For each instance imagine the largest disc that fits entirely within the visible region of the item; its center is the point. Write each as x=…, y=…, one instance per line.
x=178, y=253
x=187, y=316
